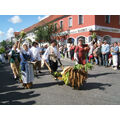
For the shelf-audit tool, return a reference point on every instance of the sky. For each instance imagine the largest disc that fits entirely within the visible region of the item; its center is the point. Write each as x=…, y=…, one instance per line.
x=13, y=23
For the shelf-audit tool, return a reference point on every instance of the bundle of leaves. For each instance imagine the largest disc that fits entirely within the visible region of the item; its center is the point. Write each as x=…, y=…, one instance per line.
x=56, y=74
x=22, y=34
x=87, y=66
x=76, y=76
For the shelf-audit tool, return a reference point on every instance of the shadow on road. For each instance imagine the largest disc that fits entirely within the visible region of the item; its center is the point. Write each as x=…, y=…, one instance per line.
x=42, y=85
x=101, y=74
x=10, y=93
x=11, y=98
x=90, y=86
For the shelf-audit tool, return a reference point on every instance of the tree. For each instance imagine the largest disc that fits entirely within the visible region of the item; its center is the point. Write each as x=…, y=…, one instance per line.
x=2, y=50
x=3, y=43
x=45, y=33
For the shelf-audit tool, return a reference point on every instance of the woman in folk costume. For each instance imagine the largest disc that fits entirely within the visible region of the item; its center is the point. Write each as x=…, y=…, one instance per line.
x=80, y=52
x=14, y=58
x=26, y=66
x=52, y=54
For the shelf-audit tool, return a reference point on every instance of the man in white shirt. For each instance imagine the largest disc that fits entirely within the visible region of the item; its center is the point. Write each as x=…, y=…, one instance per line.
x=36, y=55
x=52, y=54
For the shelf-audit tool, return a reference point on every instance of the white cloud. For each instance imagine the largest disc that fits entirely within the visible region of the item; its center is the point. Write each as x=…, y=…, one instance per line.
x=10, y=32
x=1, y=33
x=15, y=19
x=41, y=18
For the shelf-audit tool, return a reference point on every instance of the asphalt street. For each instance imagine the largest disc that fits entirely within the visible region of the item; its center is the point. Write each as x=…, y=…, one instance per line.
x=102, y=88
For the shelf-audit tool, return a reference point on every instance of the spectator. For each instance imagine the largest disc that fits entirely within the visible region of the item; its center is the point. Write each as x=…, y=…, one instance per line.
x=65, y=51
x=99, y=54
x=72, y=49
x=90, y=53
x=114, y=52
x=119, y=55
x=68, y=49
x=105, y=53
x=95, y=53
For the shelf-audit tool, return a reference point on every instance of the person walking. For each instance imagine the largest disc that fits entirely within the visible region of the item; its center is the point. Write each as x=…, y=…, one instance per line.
x=80, y=52
x=26, y=66
x=36, y=55
x=105, y=53
x=52, y=54
x=14, y=58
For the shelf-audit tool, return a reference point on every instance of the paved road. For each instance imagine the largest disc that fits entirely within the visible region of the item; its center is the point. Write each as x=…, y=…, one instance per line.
x=103, y=86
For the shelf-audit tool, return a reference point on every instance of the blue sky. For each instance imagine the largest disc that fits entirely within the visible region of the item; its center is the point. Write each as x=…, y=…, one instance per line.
x=13, y=23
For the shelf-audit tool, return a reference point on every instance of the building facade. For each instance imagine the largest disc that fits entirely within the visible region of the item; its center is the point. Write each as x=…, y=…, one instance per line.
x=106, y=27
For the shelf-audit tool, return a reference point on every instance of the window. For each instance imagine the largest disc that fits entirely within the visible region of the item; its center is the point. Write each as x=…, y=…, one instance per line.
x=80, y=19
x=107, y=19
x=70, y=22
x=61, y=24
x=119, y=19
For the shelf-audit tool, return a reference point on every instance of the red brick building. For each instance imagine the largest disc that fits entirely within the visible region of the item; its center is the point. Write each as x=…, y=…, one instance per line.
x=106, y=27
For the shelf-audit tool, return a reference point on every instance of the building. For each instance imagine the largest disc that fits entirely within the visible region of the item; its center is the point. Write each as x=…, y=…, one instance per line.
x=106, y=27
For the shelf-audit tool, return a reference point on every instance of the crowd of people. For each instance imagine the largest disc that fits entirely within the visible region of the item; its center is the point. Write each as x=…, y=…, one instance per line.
x=99, y=53
x=26, y=60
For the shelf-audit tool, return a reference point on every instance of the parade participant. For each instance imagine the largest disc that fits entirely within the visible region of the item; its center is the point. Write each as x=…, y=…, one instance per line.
x=14, y=58
x=52, y=54
x=80, y=52
x=105, y=53
x=114, y=52
x=26, y=66
x=36, y=55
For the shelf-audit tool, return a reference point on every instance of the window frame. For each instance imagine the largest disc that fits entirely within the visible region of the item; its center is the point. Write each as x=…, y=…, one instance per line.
x=69, y=21
x=119, y=20
x=60, y=24
x=79, y=20
x=109, y=20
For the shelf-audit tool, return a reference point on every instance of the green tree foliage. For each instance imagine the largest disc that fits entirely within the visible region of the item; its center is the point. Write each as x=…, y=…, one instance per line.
x=44, y=33
x=3, y=43
x=2, y=50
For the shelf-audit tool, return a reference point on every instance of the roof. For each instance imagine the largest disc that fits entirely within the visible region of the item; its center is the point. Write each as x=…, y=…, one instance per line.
x=42, y=22
x=16, y=33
